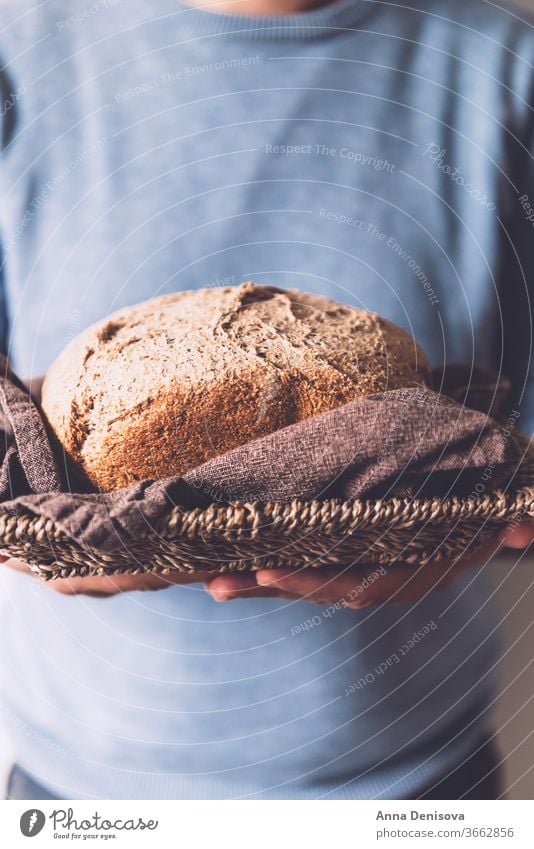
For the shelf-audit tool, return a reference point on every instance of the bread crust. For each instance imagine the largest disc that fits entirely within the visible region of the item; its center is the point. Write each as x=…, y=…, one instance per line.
x=160, y=387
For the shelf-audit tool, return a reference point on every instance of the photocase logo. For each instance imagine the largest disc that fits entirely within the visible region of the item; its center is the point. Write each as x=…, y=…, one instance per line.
x=32, y=822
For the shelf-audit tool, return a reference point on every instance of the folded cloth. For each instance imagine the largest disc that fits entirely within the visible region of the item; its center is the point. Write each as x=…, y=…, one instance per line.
x=413, y=442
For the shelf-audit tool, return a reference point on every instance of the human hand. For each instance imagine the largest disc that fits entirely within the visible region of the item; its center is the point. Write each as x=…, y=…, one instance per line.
x=364, y=586
x=103, y=586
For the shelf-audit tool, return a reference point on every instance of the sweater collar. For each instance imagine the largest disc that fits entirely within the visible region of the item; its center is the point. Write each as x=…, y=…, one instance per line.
x=318, y=23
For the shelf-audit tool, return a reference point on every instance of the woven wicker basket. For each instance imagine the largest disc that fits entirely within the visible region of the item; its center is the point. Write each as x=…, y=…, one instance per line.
x=249, y=536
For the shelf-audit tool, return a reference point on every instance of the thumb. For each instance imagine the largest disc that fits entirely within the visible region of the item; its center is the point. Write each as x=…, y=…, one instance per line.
x=519, y=535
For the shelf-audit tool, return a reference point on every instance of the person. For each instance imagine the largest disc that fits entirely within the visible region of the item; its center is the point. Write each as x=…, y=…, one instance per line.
x=380, y=154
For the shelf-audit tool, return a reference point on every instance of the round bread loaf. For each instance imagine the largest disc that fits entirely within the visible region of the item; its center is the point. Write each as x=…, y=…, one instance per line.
x=160, y=387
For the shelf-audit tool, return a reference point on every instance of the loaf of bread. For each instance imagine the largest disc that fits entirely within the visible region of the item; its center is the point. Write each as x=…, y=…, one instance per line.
x=160, y=387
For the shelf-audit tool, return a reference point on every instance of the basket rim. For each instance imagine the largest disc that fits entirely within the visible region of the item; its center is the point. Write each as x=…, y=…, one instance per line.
x=332, y=516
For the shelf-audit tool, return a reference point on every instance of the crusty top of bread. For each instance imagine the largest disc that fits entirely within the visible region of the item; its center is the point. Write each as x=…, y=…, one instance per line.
x=162, y=386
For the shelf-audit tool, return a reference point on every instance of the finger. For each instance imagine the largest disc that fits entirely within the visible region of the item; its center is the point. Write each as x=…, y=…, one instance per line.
x=252, y=592
x=228, y=587
x=323, y=585
x=103, y=586
x=414, y=583
x=64, y=586
x=120, y=583
x=355, y=588
x=97, y=586
x=17, y=565
x=519, y=535
x=351, y=588
x=364, y=587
